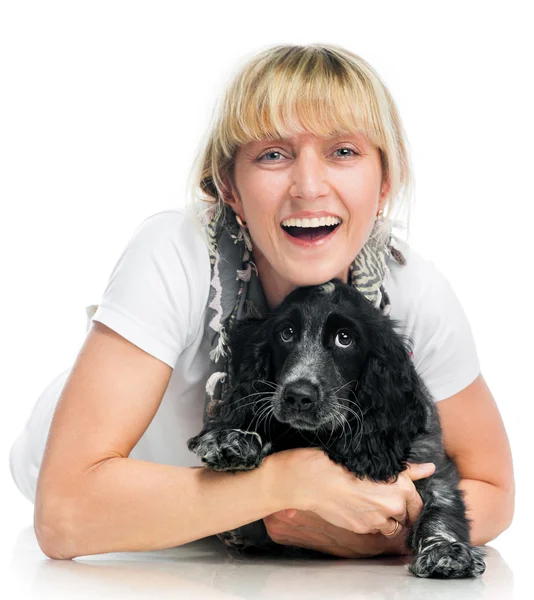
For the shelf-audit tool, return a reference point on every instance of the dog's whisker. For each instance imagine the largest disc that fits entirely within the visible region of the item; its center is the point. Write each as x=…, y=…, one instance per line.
x=332, y=428
x=267, y=382
x=255, y=409
x=265, y=406
x=351, y=401
x=346, y=437
x=358, y=437
x=359, y=417
x=270, y=418
x=310, y=441
x=335, y=417
x=253, y=403
x=342, y=386
x=347, y=408
x=349, y=438
x=355, y=402
x=344, y=421
x=256, y=402
x=241, y=398
x=347, y=399
x=263, y=415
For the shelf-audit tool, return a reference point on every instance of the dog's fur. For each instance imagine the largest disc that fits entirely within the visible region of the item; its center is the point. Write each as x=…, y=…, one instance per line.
x=327, y=369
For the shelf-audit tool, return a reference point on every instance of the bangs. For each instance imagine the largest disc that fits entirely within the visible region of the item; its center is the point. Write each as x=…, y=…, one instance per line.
x=318, y=96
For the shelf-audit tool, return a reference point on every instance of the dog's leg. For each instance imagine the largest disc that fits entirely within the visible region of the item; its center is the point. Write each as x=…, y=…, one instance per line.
x=440, y=538
x=236, y=450
x=230, y=449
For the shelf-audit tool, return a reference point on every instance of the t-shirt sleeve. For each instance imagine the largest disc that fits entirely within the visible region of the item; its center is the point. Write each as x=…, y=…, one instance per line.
x=446, y=356
x=151, y=292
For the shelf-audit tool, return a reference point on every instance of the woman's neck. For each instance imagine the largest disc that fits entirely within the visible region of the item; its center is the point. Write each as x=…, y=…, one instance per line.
x=276, y=288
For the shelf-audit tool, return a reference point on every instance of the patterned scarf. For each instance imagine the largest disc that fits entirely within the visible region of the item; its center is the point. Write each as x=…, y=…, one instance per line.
x=236, y=292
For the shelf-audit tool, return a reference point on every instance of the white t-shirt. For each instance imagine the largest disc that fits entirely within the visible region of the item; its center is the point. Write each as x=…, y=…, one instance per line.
x=156, y=298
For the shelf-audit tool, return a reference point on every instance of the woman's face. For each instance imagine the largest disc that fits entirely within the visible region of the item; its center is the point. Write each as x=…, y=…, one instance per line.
x=276, y=180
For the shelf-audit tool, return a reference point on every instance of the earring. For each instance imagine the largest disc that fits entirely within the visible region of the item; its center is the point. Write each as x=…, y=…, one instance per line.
x=244, y=233
x=379, y=215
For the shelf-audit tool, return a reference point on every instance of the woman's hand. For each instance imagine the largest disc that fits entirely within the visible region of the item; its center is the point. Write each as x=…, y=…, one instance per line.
x=342, y=513
x=307, y=530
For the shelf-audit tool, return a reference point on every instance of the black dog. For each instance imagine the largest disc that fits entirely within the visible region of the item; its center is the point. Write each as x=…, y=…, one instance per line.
x=327, y=369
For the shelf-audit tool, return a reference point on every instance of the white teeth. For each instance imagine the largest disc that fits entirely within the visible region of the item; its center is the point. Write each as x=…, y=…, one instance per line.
x=311, y=222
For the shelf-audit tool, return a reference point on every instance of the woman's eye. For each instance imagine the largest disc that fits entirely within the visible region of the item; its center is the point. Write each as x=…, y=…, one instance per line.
x=343, y=339
x=345, y=148
x=287, y=334
x=260, y=158
x=271, y=152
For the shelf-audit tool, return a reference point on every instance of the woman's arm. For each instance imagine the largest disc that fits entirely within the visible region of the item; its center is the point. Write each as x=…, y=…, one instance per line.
x=476, y=439
x=92, y=498
x=128, y=505
x=490, y=509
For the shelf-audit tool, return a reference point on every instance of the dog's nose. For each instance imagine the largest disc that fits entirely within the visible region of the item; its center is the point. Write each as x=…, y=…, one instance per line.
x=300, y=395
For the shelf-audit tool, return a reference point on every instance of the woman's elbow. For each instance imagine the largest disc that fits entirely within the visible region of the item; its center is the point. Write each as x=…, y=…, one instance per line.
x=54, y=533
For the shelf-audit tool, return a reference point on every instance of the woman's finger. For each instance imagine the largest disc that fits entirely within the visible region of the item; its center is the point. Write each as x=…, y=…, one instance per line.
x=414, y=502
x=419, y=470
x=391, y=526
x=414, y=505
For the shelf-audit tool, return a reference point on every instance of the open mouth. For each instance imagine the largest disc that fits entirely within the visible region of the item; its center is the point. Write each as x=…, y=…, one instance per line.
x=310, y=233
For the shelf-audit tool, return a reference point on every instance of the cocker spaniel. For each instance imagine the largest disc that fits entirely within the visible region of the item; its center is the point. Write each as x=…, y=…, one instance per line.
x=327, y=369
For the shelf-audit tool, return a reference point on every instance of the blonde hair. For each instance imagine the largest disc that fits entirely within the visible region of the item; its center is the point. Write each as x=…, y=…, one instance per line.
x=286, y=90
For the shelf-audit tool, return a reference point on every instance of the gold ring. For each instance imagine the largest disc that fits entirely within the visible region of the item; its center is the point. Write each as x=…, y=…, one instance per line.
x=394, y=531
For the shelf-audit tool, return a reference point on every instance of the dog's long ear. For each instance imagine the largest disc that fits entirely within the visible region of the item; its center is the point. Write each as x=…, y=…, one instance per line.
x=394, y=404
x=251, y=365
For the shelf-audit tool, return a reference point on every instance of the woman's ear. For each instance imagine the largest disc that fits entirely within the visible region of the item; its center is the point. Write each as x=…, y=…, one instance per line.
x=230, y=195
x=251, y=365
x=394, y=407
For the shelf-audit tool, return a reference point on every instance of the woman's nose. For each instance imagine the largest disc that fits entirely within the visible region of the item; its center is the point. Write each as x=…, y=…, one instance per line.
x=309, y=175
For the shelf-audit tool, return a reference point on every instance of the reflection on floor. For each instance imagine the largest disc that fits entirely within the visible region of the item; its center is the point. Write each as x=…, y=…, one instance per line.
x=208, y=569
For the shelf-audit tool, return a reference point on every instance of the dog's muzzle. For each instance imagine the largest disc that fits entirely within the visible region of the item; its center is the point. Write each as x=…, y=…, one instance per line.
x=299, y=403
x=300, y=396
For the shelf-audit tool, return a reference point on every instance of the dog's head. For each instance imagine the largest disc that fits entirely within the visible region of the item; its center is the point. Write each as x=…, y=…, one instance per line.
x=326, y=357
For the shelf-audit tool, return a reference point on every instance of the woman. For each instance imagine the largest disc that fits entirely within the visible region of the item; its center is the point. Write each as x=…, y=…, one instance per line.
x=302, y=129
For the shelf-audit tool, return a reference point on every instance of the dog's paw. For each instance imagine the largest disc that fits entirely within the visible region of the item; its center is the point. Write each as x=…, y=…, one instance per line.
x=230, y=449
x=443, y=559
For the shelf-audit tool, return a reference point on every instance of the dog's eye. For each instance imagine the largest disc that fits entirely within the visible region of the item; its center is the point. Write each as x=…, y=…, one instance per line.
x=287, y=333
x=345, y=339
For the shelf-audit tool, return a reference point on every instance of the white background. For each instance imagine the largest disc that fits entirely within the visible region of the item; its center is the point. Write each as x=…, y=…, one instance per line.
x=104, y=103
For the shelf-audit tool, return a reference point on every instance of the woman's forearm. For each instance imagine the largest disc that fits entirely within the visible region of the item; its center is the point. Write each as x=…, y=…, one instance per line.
x=490, y=508
x=134, y=505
